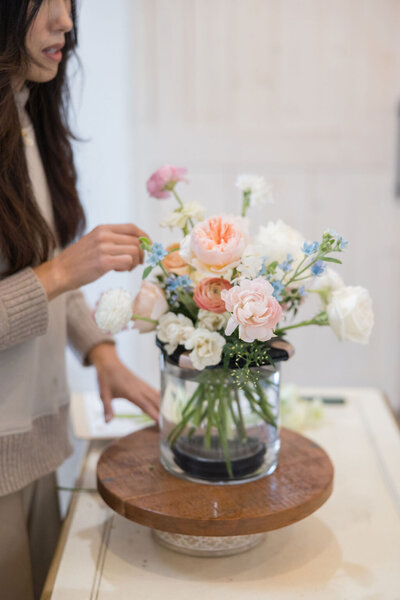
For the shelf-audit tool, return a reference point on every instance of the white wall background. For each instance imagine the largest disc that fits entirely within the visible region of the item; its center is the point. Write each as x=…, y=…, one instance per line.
x=102, y=116
x=302, y=91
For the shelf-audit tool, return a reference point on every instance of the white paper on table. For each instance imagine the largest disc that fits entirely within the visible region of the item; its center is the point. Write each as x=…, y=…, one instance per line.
x=88, y=417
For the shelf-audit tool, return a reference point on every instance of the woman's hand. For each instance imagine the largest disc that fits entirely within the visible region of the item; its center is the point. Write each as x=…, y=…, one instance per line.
x=105, y=248
x=117, y=381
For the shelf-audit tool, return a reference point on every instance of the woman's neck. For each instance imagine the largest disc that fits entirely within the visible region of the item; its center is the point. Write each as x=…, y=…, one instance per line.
x=17, y=83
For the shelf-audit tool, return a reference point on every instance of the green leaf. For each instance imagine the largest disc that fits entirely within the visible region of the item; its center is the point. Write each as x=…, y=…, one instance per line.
x=145, y=243
x=334, y=260
x=147, y=272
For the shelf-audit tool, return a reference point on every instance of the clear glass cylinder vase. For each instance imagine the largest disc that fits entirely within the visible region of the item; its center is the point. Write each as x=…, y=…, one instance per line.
x=216, y=429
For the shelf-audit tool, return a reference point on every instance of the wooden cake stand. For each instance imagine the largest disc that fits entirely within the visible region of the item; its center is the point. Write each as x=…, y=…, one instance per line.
x=212, y=520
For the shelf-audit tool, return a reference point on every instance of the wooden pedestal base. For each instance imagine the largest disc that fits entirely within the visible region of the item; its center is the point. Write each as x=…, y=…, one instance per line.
x=132, y=481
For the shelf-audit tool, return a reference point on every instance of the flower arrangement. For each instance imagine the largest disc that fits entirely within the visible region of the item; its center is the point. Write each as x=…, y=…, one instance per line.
x=220, y=296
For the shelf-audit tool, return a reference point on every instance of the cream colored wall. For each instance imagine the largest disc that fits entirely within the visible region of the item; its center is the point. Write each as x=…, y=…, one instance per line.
x=304, y=92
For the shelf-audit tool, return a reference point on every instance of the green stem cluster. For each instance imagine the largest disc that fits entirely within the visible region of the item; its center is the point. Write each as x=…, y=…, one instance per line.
x=215, y=406
x=321, y=320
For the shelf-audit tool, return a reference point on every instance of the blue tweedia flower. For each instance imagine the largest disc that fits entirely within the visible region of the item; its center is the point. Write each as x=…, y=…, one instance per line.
x=171, y=283
x=342, y=243
x=318, y=268
x=157, y=254
x=310, y=248
x=262, y=271
x=185, y=282
x=278, y=289
x=287, y=264
x=302, y=290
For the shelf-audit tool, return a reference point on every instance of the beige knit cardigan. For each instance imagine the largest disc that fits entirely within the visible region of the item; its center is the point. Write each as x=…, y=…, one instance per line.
x=34, y=395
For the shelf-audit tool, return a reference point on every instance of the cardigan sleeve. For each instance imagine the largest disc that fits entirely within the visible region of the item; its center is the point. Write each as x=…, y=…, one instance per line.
x=23, y=308
x=83, y=333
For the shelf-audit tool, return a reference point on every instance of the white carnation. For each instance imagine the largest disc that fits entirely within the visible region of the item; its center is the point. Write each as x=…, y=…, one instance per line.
x=174, y=330
x=279, y=240
x=206, y=348
x=180, y=216
x=350, y=314
x=114, y=311
x=211, y=320
x=252, y=261
x=260, y=190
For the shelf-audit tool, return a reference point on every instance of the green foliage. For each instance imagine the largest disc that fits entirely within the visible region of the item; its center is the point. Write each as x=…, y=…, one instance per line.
x=240, y=358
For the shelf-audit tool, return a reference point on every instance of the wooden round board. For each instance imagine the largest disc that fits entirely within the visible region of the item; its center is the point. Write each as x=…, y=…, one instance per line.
x=132, y=481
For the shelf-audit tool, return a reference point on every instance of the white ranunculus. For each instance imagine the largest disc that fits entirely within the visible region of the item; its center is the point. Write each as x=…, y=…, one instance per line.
x=330, y=279
x=260, y=190
x=180, y=216
x=211, y=320
x=252, y=261
x=114, y=311
x=279, y=240
x=350, y=314
x=328, y=282
x=174, y=330
x=206, y=347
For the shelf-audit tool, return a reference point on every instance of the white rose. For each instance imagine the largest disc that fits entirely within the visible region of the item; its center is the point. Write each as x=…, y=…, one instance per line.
x=279, y=240
x=350, y=314
x=174, y=330
x=206, y=348
x=114, y=311
x=180, y=216
x=211, y=320
x=252, y=261
x=260, y=190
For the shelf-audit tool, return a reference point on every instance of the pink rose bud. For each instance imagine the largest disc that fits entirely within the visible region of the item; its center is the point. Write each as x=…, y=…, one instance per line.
x=253, y=308
x=160, y=184
x=207, y=294
x=149, y=302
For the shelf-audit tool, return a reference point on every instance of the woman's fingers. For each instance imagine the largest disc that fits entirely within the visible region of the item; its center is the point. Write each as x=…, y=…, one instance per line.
x=147, y=398
x=123, y=229
x=106, y=398
x=122, y=262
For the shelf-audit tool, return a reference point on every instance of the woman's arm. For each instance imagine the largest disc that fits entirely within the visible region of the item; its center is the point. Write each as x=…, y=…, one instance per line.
x=106, y=248
x=23, y=308
x=117, y=381
x=82, y=330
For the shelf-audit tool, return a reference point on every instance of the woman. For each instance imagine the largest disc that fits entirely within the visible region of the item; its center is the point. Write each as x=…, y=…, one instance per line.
x=41, y=270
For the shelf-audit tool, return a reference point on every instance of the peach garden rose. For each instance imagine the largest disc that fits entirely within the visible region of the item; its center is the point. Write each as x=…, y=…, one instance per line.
x=150, y=303
x=216, y=244
x=173, y=262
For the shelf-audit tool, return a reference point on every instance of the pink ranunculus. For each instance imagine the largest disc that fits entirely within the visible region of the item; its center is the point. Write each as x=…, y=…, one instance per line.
x=160, y=184
x=207, y=294
x=218, y=243
x=253, y=308
x=149, y=302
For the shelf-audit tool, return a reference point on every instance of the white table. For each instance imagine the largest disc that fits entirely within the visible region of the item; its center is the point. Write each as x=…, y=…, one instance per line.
x=349, y=549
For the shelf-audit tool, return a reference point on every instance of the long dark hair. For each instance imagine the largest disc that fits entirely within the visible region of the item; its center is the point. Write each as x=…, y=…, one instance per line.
x=25, y=237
